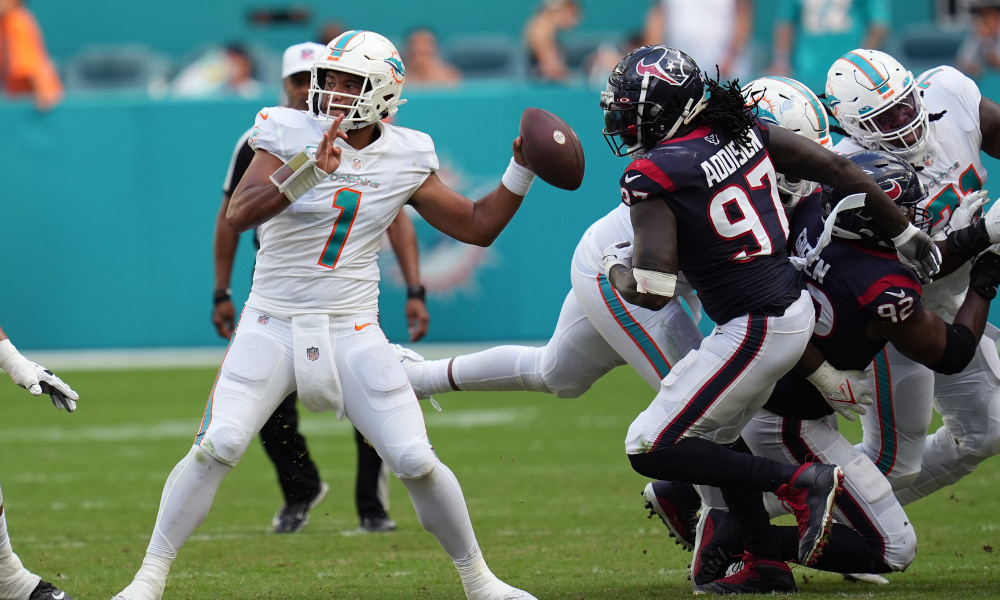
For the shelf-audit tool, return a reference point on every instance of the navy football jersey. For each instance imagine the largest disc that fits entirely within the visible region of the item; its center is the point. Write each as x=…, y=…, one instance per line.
x=731, y=226
x=851, y=285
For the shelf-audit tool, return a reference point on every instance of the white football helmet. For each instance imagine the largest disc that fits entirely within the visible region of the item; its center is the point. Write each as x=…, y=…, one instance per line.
x=877, y=103
x=371, y=57
x=792, y=105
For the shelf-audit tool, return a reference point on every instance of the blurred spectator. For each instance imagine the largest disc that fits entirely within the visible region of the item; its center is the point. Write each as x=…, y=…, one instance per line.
x=552, y=17
x=25, y=66
x=227, y=70
x=603, y=60
x=712, y=32
x=981, y=48
x=424, y=64
x=809, y=36
x=330, y=31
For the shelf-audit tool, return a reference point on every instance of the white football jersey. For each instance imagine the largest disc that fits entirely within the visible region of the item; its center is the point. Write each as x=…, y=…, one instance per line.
x=952, y=167
x=614, y=227
x=319, y=254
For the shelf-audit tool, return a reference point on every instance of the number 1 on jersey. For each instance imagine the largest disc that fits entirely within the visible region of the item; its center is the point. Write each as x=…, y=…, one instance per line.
x=347, y=200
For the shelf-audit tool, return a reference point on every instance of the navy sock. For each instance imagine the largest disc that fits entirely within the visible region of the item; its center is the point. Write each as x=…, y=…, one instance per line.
x=846, y=552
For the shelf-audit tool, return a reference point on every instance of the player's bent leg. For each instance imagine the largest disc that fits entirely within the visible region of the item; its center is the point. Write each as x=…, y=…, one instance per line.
x=381, y=404
x=885, y=539
x=969, y=404
x=652, y=342
x=895, y=428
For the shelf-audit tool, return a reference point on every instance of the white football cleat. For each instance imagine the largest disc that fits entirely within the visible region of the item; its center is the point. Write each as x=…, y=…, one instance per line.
x=873, y=578
x=498, y=590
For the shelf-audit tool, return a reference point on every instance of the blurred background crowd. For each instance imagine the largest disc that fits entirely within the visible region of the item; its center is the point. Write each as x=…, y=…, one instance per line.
x=234, y=47
x=120, y=118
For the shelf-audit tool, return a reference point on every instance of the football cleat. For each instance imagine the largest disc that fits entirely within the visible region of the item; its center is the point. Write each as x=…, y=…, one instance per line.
x=376, y=525
x=294, y=516
x=753, y=576
x=716, y=547
x=810, y=494
x=677, y=504
x=873, y=578
x=46, y=591
x=498, y=590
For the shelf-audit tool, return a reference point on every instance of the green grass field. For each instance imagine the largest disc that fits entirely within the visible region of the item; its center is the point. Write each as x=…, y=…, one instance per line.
x=556, y=507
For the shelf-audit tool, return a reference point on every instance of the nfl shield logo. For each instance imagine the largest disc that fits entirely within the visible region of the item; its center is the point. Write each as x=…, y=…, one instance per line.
x=262, y=319
x=356, y=163
x=312, y=353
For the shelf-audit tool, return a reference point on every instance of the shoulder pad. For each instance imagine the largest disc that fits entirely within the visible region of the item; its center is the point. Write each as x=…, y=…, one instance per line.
x=284, y=132
x=642, y=180
x=946, y=89
x=892, y=299
x=417, y=144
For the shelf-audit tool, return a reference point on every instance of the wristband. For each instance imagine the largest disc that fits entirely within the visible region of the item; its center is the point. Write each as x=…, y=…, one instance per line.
x=517, y=179
x=825, y=378
x=297, y=176
x=905, y=235
x=654, y=282
x=7, y=353
x=418, y=292
x=221, y=296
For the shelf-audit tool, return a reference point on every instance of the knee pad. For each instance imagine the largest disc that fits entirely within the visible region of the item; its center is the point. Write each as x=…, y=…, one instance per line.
x=226, y=442
x=415, y=461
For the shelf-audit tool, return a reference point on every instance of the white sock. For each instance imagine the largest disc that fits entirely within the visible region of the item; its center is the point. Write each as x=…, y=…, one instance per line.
x=187, y=497
x=500, y=369
x=16, y=582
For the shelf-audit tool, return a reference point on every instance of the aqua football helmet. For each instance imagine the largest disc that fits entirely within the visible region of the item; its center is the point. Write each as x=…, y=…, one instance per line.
x=876, y=101
x=788, y=103
x=369, y=56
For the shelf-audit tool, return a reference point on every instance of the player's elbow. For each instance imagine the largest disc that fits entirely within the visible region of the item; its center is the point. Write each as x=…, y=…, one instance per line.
x=237, y=221
x=960, y=349
x=652, y=301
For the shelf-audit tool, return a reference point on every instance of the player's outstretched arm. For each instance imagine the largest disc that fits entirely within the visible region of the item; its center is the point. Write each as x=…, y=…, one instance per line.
x=474, y=222
x=796, y=156
x=35, y=378
x=403, y=238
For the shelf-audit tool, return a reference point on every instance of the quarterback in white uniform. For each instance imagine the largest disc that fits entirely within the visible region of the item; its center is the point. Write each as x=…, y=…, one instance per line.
x=323, y=186
x=939, y=122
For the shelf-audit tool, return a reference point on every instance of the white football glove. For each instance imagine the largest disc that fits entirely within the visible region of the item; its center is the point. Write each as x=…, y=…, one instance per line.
x=617, y=254
x=968, y=208
x=916, y=249
x=843, y=390
x=36, y=378
x=992, y=221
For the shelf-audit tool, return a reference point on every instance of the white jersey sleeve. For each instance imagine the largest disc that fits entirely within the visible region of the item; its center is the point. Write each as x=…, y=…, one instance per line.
x=946, y=90
x=284, y=132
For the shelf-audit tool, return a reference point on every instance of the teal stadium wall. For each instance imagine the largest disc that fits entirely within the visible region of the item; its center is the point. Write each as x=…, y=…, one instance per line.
x=109, y=202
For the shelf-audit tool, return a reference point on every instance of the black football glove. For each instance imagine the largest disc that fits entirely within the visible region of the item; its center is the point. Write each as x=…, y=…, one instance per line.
x=985, y=274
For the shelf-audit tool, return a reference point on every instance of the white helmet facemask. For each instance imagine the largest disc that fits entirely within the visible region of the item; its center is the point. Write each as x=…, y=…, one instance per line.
x=790, y=104
x=376, y=62
x=878, y=104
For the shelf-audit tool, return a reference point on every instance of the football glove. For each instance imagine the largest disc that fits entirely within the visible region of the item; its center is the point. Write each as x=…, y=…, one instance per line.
x=992, y=221
x=617, y=254
x=968, y=209
x=843, y=390
x=36, y=378
x=918, y=251
x=985, y=274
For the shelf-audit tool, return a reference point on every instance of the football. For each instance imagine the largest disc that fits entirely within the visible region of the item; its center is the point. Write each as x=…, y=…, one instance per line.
x=551, y=148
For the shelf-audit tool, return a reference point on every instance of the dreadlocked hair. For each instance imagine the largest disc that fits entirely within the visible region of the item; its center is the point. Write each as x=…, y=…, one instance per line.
x=727, y=109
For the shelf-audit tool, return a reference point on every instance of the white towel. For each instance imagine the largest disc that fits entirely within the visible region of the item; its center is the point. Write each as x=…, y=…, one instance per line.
x=315, y=369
